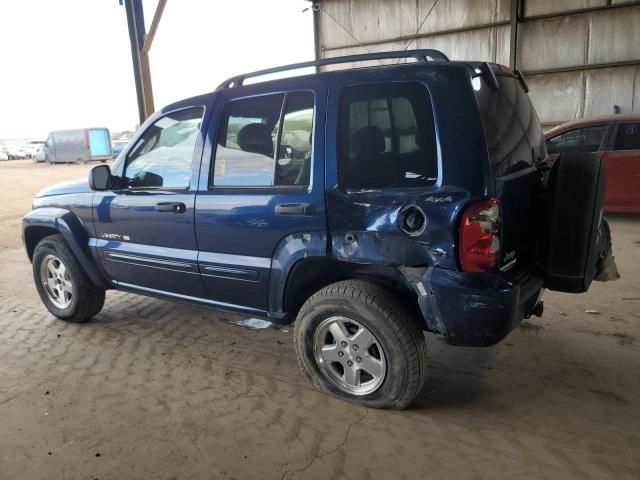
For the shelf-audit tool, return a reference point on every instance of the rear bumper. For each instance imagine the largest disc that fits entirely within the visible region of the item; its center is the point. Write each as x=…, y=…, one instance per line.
x=475, y=309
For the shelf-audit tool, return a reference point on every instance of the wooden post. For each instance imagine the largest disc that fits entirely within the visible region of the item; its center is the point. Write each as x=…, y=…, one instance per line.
x=140, y=45
x=144, y=58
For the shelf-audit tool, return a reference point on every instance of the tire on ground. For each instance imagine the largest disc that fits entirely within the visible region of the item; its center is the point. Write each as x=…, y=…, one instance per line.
x=87, y=298
x=391, y=323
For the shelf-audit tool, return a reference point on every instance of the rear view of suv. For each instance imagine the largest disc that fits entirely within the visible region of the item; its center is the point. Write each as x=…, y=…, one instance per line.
x=366, y=205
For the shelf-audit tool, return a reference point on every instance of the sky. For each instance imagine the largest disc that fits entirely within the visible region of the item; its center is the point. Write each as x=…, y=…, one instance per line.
x=67, y=63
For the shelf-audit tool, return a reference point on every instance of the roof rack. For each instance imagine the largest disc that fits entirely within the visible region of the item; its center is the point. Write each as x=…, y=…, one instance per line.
x=421, y=55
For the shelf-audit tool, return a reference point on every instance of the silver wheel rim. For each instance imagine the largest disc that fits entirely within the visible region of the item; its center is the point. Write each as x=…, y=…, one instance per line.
x=349, y=355
x=56, y=282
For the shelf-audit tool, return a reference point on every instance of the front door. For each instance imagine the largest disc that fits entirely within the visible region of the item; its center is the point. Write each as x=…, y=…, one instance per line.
x=145, y=230
x=261, y=184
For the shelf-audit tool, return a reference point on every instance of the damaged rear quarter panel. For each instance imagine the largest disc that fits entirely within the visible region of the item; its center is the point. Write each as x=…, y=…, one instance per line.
x=365, y=227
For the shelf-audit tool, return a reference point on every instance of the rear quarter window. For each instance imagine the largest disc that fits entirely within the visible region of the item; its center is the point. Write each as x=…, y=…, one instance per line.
x=386, y=137
x=513, y=132
x=627, y=137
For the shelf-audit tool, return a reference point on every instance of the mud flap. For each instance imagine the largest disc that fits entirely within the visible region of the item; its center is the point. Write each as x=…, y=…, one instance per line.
x=419, y=279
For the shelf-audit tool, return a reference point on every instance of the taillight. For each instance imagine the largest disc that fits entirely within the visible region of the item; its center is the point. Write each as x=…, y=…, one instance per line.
x=480, y=236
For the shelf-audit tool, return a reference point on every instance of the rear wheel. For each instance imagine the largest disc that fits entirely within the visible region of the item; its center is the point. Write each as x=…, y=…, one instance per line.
x=63, y=286
x=354, y=340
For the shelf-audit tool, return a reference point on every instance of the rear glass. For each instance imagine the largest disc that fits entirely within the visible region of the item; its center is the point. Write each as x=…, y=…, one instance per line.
x=512, y=129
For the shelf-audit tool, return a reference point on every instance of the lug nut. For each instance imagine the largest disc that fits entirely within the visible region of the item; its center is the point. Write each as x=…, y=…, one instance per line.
x=355, y=347
x=349, y=363
x=341, y=354
x=343, y=343
x=358, y=359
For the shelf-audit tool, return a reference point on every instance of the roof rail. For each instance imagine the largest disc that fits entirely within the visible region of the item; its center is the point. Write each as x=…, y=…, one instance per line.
x=421, y=55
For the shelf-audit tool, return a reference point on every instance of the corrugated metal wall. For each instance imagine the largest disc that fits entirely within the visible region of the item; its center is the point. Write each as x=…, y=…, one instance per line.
x=580, y=57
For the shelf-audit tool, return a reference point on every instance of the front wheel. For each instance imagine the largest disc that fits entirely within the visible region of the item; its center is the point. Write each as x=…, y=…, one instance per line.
x=63, y=286
x=355, y=341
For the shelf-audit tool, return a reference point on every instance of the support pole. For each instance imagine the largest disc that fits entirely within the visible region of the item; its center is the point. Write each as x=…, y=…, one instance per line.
x=135, y=57
x=316, y=30
x=516, y=11
x=145, y=69
x=140, y=46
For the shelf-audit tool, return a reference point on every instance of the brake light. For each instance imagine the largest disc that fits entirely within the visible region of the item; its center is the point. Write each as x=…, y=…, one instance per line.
x=480, y=236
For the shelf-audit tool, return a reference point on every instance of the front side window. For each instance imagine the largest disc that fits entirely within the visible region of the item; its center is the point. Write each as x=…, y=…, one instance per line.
x=265, y=141
x=586, y=139
x=628, y=137
x=386, y=137
x=162, y=157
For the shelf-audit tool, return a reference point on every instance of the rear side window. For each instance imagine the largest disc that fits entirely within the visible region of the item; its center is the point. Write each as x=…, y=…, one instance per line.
x=586, y=139
x=386, y=137
x=511, y=126
x=628, y=137
x=265, y=141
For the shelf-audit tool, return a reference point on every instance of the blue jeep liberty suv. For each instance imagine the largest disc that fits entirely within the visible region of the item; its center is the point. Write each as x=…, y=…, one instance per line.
x=367, y=205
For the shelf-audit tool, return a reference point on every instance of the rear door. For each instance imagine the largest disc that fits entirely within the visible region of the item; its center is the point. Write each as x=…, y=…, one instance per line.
x=622, y=162
x=515, y=144
x=261, y=186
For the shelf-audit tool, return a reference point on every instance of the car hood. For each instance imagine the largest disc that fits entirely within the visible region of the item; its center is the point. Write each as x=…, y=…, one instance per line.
x=79, y=185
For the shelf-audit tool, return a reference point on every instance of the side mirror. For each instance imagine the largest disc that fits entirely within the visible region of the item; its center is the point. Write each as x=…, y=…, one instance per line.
x=100, y=178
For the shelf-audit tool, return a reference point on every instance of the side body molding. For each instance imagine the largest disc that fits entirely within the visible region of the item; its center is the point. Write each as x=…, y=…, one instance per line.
x=73, y=231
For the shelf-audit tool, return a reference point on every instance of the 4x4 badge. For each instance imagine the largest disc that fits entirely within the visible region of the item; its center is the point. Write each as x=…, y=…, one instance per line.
x=433, y=199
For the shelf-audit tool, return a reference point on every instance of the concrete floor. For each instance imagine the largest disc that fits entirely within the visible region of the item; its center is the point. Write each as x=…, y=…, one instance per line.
x=149, y=389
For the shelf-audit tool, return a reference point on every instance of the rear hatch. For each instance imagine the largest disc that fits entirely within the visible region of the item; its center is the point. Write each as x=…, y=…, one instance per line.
x=515, y=144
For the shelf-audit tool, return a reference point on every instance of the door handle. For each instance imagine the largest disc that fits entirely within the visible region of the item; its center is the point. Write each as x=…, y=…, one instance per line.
x=175, y=207
x=294, y=209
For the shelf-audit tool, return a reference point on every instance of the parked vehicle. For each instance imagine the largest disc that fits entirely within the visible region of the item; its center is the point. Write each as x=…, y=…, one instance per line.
x=617, y=139
x=40, y=154
x=79, y=146
x=118, y=146
x=15, y=153
x=332, y=200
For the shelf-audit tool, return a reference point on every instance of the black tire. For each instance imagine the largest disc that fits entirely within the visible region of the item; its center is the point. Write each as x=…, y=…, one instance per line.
x=87, y=299
x=392, y=325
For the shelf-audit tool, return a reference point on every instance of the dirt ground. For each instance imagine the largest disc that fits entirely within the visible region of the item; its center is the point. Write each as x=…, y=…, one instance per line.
x=149, y=389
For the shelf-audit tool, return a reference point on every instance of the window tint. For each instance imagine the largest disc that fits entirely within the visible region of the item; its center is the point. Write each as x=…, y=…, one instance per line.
x=245, y=154
x=162, y=157
x=587, y=139
x=628, y=137
x=512, y=129
x=386, y=137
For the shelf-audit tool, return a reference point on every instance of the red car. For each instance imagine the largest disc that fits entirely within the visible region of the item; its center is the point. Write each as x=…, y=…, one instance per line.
x=618, y=138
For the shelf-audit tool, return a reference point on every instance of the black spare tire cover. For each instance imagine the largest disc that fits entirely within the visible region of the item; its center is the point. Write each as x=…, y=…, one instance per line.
x=572, y=222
